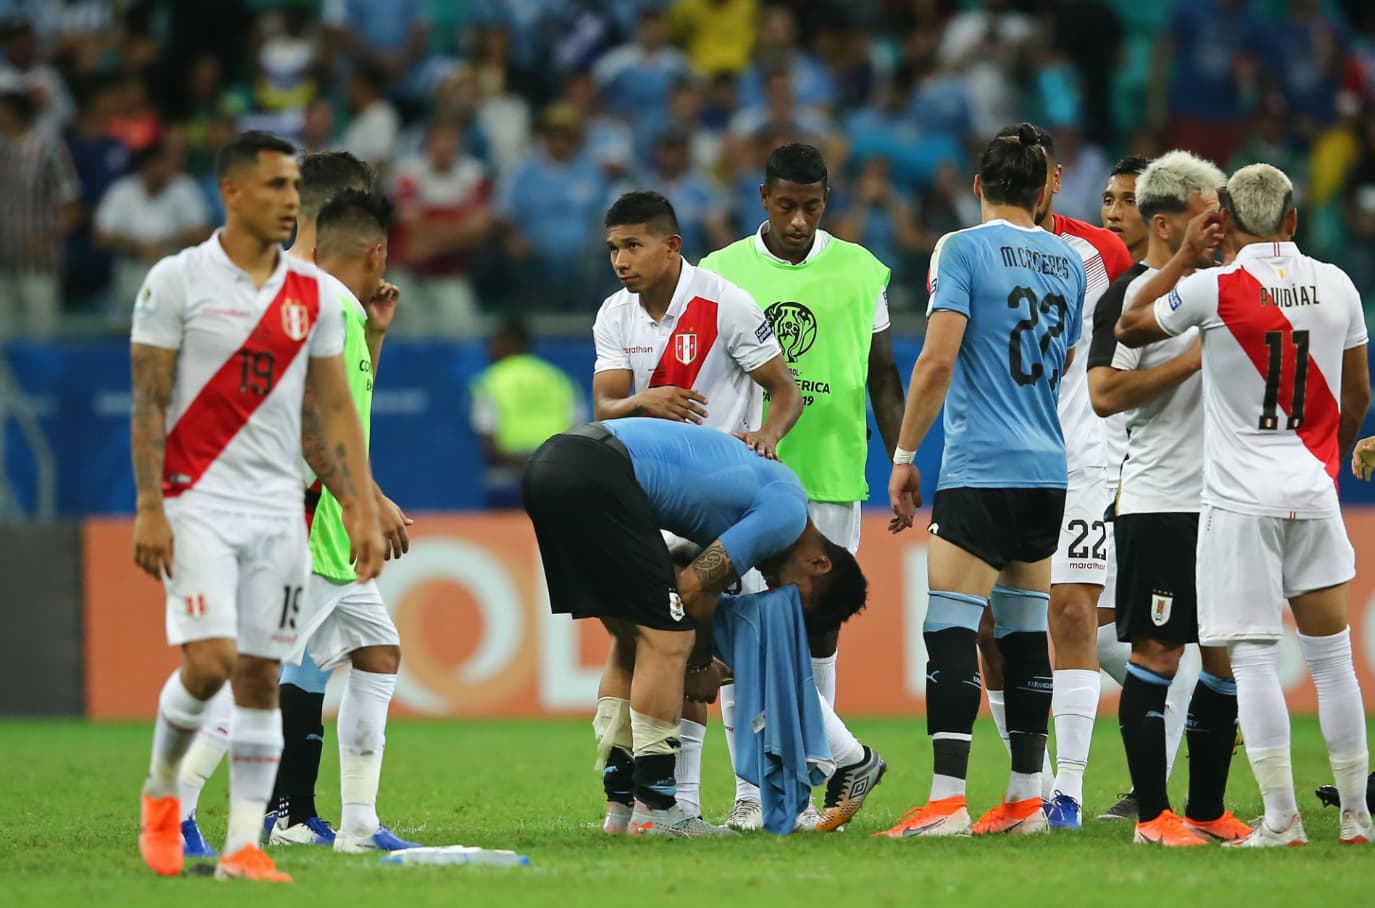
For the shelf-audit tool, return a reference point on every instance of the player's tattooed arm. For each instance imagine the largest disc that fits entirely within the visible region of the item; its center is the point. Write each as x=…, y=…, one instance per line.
x=154, y=372
x=313, y=448
x=706, y=578
x=349, y=478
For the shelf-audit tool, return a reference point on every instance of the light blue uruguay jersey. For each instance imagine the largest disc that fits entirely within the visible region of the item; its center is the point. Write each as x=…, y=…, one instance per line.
x=706, y=485
x=1022, y=290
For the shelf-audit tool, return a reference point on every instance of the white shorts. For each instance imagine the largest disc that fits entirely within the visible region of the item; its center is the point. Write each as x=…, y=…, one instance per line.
x=237, y=576
x=1254, y=564
x=344, y=617
x=838, y=521
x=1085, y=537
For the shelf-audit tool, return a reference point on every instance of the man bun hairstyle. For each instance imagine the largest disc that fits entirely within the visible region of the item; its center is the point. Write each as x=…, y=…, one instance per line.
x=1012, y=168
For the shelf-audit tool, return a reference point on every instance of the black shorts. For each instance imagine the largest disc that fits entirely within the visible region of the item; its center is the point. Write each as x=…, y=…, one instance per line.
x=599, y=538
x=999, y=526
x=1157, y=591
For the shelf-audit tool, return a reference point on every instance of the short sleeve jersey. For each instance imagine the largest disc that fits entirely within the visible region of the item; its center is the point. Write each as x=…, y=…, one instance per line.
x=1022, y=291
x=234, y=422
x=710, y=339
x=705, y=485
x=1275, y=325
x=1164, y=437
x=1105, y=258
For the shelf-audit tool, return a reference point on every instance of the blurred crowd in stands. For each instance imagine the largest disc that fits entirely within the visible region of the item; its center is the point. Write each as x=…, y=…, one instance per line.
x=503, y=128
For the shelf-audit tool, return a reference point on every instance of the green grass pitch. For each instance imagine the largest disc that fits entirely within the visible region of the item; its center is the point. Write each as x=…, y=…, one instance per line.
x=69, y=791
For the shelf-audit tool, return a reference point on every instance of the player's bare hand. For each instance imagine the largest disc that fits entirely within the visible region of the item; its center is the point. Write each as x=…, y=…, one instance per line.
x=765, y=444
x=381, y=308
x=904, y=495
x=1363, y=458
x=703, y=686
x=394, y=522
x=1205, y=231
x=153, y=542
x=367, y=545
x=677, y=404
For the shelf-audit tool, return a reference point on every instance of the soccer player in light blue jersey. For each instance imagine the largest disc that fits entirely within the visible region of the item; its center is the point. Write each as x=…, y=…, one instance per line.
x=1005, y=313
x=598, y=496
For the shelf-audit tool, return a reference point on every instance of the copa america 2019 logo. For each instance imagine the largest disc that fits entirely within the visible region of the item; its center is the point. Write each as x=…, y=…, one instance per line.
x=795, y=327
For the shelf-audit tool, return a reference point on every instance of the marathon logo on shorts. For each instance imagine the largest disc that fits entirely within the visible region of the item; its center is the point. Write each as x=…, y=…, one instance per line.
x=685, y=348
x=195, y=605
x=675, y=606
x=1161, y=606
x=295, y=320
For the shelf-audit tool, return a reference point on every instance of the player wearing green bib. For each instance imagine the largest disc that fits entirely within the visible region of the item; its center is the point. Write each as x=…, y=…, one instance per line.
x=827, y=303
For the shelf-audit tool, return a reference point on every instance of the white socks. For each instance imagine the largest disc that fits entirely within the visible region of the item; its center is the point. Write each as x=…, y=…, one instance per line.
x=1113, y=654
x=688, y=770
x=1177, y=702
x=1265, y=723
x=1074, y=705
x=1340, y=713
x=179, y=717
x=362, y=726
x=845, y=747
x=824, y=673
x=1023, y=786
x=998, y=707
x=207, y=750
x=744, y=791
x=255, y=750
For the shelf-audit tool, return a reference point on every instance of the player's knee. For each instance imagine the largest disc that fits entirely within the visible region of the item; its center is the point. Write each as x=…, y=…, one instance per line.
x=255, y=682
x=206, y=666
x=1216, y=662
x=1073, y=614
x=380, y=660
x=1161, y=658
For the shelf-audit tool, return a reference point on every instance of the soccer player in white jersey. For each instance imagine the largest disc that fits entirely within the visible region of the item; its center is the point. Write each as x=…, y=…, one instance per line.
x=1159, y=390
x=682, y=344
x=216, y=440
x=1079, y=567
x=1285, y=387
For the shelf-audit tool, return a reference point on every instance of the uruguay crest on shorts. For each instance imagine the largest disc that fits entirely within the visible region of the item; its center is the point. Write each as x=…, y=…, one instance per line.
x=1161, y=606
x=685, y=348
x=295, y=319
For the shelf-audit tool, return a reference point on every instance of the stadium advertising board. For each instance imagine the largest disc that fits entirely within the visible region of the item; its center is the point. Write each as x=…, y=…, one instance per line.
x=478, y=638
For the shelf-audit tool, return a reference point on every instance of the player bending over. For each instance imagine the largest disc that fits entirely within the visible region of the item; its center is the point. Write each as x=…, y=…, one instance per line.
x=1006, y=299
x=1287, y=385
x=597, y=497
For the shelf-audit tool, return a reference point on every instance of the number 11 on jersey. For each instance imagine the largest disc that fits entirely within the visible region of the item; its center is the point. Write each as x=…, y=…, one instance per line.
x=1269, y=418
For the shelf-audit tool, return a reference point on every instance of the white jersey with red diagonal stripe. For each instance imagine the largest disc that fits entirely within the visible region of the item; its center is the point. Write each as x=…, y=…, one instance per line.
x=1275, y=324
x=234, y=423
x=710, y=339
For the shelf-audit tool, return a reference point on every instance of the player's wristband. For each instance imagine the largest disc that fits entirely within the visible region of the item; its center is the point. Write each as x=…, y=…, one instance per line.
x=902, y=458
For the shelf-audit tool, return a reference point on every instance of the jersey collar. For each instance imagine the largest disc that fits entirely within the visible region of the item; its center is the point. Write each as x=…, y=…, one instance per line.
x=680, y=294
x=819, y=243
x=220, y=257
x=1267, y=250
